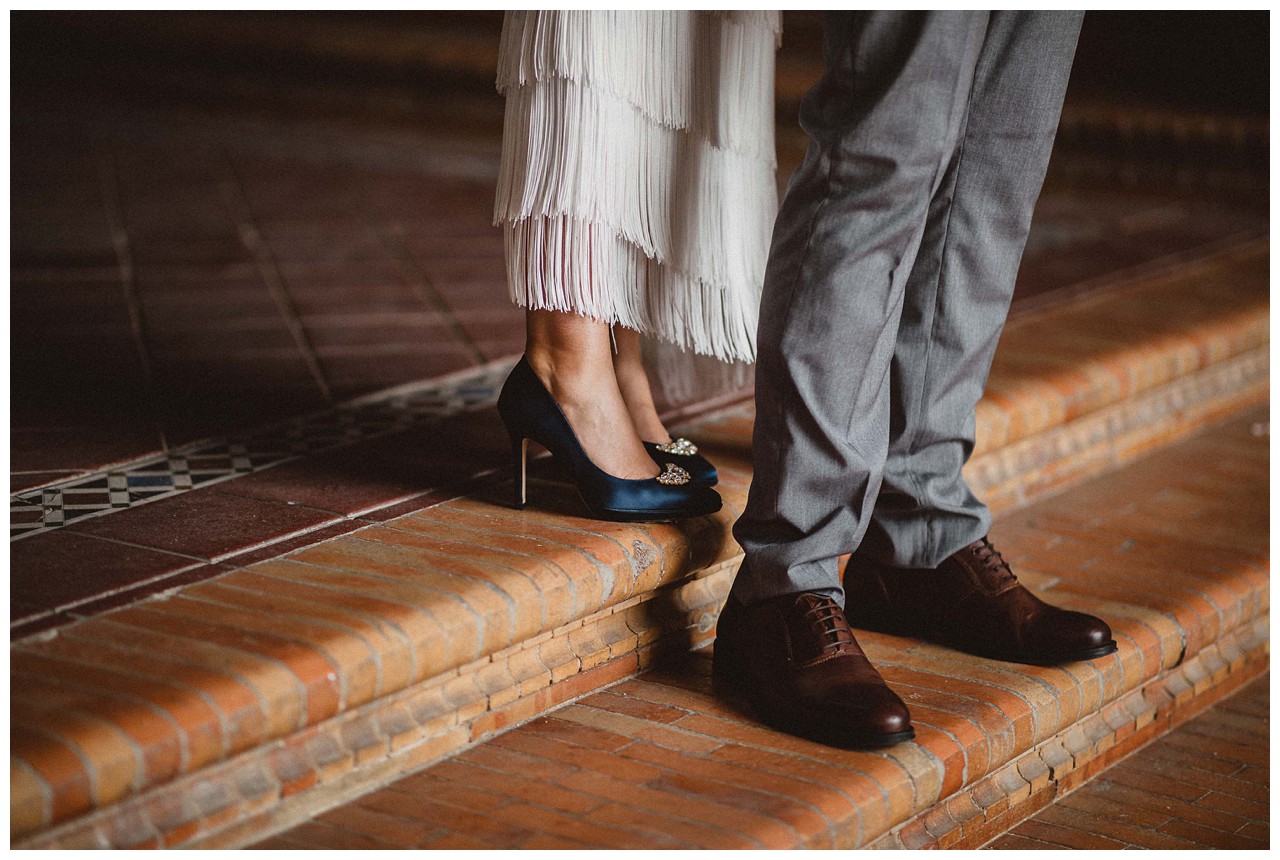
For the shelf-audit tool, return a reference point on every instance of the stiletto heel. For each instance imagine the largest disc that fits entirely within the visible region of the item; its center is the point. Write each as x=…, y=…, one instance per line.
x=530, y=412
x=519, y=458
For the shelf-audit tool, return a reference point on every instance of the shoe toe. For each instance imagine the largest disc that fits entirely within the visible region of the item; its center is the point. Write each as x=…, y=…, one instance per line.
x=702, y=472
x=694, y=500
x=888, y=714
x=706, y=500
x=1081, y=630
x=1063, y=636
x=869, y=710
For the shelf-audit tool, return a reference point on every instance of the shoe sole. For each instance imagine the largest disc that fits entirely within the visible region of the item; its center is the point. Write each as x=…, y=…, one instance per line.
x=616, y=516
x=794, y=721
x=1023, y=659
x=1050, y=660
x=642, y=517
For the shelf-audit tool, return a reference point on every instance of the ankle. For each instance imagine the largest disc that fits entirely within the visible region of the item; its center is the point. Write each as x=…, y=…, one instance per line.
x=633, y=385
x=569, y=376
x=570, y=354
x=644, y=415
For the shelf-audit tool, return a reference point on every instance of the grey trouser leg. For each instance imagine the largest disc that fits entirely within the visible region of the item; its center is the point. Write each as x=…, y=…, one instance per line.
x=889, y=277
x=958, y=294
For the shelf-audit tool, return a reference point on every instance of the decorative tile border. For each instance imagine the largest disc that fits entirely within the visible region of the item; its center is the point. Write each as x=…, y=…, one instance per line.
x=211, y=461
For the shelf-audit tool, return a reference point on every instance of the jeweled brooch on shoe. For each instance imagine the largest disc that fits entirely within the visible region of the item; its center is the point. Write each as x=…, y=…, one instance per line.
x=682, y=447
x=672, y=475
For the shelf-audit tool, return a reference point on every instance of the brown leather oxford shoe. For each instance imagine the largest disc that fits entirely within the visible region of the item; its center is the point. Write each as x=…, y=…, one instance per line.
x=972, y=602
x=795, y=659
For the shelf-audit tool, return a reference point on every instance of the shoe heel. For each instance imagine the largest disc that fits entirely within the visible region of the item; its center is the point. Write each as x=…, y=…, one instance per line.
x=529, y=411
x=519, y=456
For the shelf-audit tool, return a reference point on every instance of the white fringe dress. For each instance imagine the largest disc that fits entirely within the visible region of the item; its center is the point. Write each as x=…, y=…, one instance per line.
x=637, y=181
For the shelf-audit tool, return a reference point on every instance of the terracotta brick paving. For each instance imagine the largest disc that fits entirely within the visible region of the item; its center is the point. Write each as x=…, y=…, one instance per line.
x=433, y=590
x=1204, y=785
x=410, y=573
x=663, y=760
x=462, y=579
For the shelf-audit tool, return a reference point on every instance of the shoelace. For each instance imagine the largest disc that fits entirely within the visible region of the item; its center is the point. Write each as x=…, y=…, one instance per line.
x=992, y=562
x=829, y=619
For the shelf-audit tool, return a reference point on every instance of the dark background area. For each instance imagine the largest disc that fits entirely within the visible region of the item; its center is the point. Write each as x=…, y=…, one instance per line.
x=1203, y=61
x=1161, y=91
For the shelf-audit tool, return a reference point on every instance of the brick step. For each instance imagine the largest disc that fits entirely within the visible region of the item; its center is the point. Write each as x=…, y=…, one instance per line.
x=237, y=705
x=1206, y=784
x=1172, y=550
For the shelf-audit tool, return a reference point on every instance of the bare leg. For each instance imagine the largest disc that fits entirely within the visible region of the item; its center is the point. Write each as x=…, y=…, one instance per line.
x=633, y=382
x=573, y=357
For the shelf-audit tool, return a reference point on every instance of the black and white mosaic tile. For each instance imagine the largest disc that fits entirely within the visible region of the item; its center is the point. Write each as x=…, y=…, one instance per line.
x=38, y=510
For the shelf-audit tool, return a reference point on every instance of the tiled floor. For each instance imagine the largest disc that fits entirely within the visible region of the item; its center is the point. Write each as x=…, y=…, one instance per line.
x=169, y=290
x=1207, y=784
x=390, y=414
x=330, y=479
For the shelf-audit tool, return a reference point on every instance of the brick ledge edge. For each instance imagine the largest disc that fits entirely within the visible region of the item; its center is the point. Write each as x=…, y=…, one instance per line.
x=988, y=808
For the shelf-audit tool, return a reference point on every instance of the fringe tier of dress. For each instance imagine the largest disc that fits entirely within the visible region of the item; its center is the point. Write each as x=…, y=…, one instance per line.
x=637, y=181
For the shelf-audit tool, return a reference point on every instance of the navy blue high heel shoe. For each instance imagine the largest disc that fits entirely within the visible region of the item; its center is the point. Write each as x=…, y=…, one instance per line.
x=684, y=454
x=530, y=412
